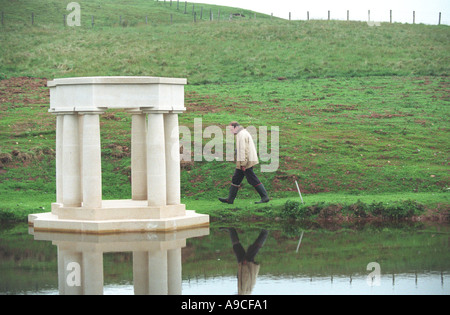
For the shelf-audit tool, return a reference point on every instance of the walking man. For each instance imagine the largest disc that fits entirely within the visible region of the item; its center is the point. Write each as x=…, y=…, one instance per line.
x=246, y=158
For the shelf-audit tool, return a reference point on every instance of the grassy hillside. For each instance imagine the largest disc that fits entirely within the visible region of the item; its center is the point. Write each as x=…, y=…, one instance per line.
x=362, y=111
x=209, y=52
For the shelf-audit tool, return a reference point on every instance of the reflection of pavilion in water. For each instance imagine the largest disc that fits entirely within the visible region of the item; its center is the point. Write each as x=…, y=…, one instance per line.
x=156, y=259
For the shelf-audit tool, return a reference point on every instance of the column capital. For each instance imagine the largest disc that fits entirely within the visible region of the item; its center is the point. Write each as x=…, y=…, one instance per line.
x=96, y=112
x=140, y=110
x=149, y=111
x=135, y=111
x=64, y=112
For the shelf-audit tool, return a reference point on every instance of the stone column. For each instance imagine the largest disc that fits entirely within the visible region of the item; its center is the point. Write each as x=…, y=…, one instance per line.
x=79, y=272
x=174, y=271
x=140, y=272
x=138, y=156
x=92, y=273
x=156, y=161
x=71, y=170
x=59, y=157
x=91, y=161
x=69, y=272
x=172, y=148
x=80, y=141
x=150, y=272
x=157, y=272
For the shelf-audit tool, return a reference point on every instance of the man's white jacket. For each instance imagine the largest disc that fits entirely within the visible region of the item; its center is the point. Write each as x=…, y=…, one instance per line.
x=246, y=155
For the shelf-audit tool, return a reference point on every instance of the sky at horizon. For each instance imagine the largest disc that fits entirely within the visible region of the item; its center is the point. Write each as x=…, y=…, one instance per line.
x=426, y=12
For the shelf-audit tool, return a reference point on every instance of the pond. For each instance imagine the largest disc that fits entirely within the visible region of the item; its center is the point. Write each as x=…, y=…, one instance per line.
x=276, y=259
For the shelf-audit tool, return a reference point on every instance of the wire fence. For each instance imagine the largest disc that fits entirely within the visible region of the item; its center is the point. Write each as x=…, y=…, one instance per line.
x=176, y=11
x=388, y=16
x=161, y=13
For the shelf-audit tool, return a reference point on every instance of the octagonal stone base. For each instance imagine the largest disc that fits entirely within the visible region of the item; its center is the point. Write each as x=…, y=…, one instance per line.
x=117, y=216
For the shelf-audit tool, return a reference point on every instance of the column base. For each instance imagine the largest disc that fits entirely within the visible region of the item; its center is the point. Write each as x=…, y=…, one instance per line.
x=48, y=222
x=117, y=216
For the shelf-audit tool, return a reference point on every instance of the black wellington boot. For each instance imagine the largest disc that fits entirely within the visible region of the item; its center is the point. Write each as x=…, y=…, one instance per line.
x=233, y=236
x=262, y=237
x=263, y=193
x=256, y=246
x=231, y=195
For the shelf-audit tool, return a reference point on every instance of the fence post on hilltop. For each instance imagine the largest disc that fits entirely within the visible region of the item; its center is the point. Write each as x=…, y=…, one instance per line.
x=439, y=23
x=368, y=15
x=390, y=16
x=218, y=15
x=178, y=5
x=210, y=15
x=329, y=15
x=201, y=13
x=348, y=15
x=289, y=16
x=307, y=15
x=414, y=17
x=195, y=17
x=185, y=7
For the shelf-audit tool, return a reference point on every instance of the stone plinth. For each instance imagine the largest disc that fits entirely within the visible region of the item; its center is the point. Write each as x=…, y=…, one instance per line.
x=154, y=104
x=49, y=222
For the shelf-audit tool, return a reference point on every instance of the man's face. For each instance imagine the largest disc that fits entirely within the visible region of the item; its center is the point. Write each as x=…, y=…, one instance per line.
x=233, y=129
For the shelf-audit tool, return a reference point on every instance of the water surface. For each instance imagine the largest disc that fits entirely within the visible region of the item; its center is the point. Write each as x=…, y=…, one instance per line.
x=411, y=258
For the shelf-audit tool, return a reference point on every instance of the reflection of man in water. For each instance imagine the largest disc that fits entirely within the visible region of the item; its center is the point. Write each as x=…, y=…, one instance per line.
x=248, y=269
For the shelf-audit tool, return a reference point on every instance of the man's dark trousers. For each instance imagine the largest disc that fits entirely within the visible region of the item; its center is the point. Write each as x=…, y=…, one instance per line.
x=249, y=174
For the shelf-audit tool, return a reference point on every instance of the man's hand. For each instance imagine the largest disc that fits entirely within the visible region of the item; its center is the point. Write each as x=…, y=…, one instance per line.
x=243, y=168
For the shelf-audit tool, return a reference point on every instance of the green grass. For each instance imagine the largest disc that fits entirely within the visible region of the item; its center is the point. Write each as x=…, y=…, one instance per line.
x=362, y=111
x=382, y=134
x=209, y=52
